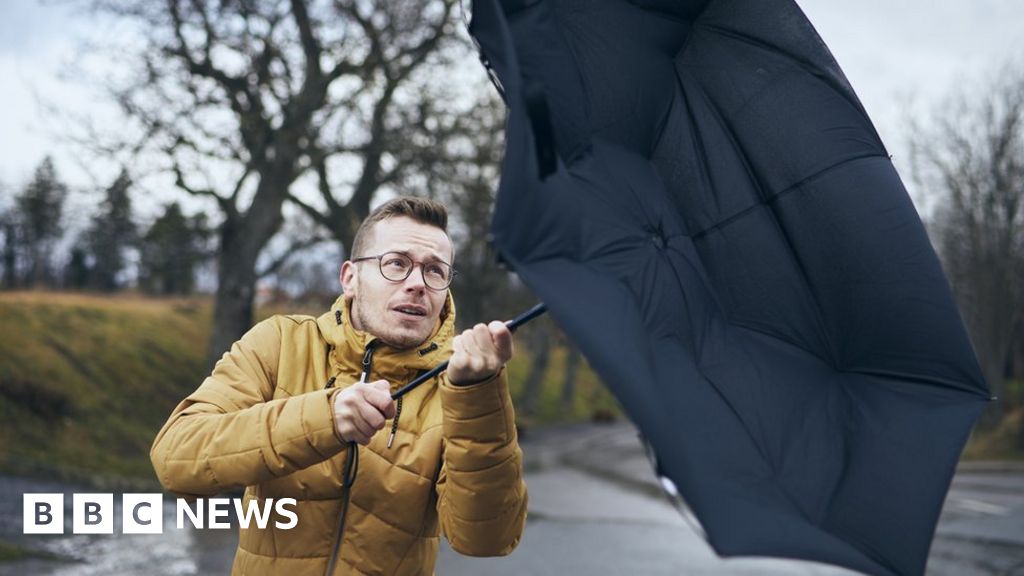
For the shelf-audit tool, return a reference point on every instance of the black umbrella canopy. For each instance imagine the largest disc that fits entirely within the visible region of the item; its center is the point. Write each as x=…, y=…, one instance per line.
x=694, y=190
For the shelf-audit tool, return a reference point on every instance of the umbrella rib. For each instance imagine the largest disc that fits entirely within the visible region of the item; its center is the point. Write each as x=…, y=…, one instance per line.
x=831, y=356
x=843, y=88
x=772, y=198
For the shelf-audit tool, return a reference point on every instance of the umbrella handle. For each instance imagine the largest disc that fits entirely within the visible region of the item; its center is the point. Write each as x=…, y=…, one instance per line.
x=511, y=324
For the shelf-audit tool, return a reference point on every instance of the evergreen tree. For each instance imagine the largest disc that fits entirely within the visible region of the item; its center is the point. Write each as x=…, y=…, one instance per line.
x=9, y=253
x=76, y=275
x=111, y=234
x=170, y=251
x=39, y=211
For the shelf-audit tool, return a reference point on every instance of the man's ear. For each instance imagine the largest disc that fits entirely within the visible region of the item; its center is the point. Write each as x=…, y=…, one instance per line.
x=347, y=277
x=446, y=308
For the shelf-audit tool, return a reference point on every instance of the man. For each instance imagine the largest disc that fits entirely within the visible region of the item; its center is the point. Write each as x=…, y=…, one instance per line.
x=281, y=407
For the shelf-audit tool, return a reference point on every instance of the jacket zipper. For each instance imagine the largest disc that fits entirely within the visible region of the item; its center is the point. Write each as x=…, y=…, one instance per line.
x=394, y=423
x=351, y=467
x=398, y=407
x=367, y=361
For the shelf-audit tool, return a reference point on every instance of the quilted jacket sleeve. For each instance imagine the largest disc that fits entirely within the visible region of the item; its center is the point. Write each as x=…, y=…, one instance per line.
x=481, y=494
x=230, y=432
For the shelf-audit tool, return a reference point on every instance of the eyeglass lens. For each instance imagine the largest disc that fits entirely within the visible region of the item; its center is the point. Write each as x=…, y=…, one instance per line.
x=396, y=267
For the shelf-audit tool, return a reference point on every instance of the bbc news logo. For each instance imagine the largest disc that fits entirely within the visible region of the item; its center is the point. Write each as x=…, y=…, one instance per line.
x=144, y=513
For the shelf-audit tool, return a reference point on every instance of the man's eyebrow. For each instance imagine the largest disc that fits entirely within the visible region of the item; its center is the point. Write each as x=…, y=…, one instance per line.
x=430, y=257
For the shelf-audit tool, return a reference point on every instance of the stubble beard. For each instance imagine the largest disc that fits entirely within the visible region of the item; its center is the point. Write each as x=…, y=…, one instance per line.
x=375, y=327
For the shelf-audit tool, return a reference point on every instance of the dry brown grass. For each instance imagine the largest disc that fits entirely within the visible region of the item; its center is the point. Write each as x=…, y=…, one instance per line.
x=127, y=301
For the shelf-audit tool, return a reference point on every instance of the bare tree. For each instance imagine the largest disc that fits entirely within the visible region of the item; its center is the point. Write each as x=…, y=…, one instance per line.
x=240, y=99
x=539, y=341
x=465, y=176
x=401, y=124
x=973, y=154
x=299, y=265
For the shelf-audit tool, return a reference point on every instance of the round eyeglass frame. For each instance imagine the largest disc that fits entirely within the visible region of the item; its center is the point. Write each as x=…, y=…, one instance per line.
x=413, y=263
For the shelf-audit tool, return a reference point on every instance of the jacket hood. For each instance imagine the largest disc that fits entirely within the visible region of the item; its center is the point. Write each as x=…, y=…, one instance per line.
x=347, y=344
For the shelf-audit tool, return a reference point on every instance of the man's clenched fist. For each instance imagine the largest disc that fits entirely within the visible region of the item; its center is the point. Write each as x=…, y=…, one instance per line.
x=361, y=409
x=479, y=353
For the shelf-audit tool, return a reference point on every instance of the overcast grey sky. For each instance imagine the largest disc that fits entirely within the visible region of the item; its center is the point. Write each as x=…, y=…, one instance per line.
x=892, y=51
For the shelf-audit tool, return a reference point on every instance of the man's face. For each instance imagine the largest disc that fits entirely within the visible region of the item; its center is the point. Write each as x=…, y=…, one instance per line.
x=402, y=314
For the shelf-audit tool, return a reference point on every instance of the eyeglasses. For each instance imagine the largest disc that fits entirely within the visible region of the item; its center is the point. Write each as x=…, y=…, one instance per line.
x=397, y=266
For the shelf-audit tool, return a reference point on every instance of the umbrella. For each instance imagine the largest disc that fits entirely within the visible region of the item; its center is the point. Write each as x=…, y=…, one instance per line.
x=696, y=193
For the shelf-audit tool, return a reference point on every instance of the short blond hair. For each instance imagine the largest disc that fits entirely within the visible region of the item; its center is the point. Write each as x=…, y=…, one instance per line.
x=422, y=210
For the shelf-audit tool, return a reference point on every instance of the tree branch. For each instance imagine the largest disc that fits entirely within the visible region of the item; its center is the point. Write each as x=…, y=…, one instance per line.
x=310, y=44
x=295, y=248
x=179, y=181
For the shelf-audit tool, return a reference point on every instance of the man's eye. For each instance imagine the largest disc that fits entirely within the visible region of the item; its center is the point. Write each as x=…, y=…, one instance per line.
x=436, y=270
x=396, y=263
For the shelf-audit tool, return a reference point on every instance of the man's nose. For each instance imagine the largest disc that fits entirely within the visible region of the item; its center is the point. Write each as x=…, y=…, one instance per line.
x=415, y=279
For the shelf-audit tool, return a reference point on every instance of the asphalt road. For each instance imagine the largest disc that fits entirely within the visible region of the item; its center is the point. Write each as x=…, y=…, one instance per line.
x=981, y=530
x=595, y=509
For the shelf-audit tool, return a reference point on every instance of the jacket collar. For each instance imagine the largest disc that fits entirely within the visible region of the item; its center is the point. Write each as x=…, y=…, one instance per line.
x=348, y=344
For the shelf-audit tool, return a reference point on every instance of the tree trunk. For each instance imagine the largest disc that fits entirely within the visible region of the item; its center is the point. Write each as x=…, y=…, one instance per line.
x=539, y=346
x=10, y=257
x=37, y=273
x=572, y=365
x=242, y=238
x=993, y=361
x=233, y=304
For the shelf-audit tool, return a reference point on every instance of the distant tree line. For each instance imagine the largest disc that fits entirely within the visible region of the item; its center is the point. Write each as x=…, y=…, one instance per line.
x=36, y=252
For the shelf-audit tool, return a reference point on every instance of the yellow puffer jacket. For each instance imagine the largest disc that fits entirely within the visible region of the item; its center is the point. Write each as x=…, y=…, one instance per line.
x=263, y=420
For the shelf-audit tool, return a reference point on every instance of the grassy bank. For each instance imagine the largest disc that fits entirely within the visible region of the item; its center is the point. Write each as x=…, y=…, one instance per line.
x=85, y=381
